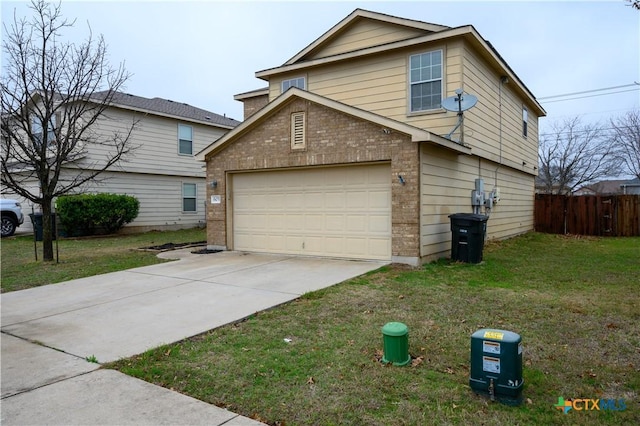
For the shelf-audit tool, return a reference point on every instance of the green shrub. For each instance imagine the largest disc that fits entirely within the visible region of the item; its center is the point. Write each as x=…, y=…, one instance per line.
x=88, y=214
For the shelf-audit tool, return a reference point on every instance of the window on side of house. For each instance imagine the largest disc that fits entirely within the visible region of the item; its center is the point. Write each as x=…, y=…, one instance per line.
x=185, y=139
x=37, y=128
x=425, y=80
x=525, y=118
x=298, y=82
x=189, y=191
x=298, y=131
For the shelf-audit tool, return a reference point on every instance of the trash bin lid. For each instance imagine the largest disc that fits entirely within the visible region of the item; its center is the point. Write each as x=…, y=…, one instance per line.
x=395, y=329
x=469, y=216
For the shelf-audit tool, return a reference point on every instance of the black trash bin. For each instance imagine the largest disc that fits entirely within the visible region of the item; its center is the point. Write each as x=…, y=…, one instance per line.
x=36, y=220
x=468, y=231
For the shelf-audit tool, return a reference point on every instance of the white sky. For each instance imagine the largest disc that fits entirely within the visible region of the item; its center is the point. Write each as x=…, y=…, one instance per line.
x=204, y=52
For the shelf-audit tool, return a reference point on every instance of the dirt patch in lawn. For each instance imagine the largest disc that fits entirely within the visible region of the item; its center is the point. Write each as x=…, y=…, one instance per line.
x=173, y=246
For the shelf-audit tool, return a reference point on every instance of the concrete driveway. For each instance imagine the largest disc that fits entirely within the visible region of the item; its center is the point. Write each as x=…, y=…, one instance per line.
x=48, y=332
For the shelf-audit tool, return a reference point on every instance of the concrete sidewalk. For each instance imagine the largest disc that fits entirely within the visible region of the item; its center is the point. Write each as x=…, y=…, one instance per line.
x=124, y=313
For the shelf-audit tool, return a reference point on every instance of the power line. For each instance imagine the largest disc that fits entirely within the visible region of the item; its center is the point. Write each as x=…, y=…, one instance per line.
x=567, y=132
x=590, y=96
x=591, y=91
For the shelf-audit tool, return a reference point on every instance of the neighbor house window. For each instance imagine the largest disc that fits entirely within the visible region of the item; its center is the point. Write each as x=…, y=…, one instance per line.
x=425, y=76
x=294, y=82
x=185, y=139
x=525, y=117
x=37, y=128
x=298, y=131
x=189, y=197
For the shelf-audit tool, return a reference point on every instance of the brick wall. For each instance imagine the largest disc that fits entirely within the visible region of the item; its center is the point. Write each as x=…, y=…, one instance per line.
x=253, y=105
x=332, y=138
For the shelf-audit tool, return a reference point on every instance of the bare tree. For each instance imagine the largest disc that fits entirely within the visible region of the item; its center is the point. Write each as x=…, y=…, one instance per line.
x=634, y=4
x=626, y=137
x=52, y=95
x=573, y=154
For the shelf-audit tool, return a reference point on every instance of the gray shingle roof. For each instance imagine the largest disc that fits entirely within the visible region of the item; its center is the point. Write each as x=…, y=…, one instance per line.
x=168, y=107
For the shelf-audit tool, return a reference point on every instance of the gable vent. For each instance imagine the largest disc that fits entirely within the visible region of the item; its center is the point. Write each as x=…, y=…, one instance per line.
x=298, y=130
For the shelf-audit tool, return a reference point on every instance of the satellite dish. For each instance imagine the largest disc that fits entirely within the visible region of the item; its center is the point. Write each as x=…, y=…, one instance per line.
x=460, y=102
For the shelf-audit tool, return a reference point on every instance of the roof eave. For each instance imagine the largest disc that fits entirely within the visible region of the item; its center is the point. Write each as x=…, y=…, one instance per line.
x=416, y=134
x=467, y=31
x=362, y=13
x=172, y=116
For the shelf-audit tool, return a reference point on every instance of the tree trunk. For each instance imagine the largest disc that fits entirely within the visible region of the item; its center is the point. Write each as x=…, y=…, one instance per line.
x=47, y=231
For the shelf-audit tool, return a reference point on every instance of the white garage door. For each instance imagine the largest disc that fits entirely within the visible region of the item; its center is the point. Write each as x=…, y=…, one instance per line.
x=336, y=212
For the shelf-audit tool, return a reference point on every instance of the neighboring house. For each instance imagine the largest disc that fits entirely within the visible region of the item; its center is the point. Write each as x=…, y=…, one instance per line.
x=631, y=187
x=343, y=154
x=604, y=187
x=162, y=173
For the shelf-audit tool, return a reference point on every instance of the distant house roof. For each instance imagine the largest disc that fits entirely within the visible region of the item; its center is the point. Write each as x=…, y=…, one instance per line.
x=169, y=108
x=632, y=182
x=601, y=188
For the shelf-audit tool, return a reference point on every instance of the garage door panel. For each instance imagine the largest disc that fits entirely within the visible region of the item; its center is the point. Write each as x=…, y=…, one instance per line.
x=379, y=200
x=379, y=247
x=293, y=201
x=334, y=223
x=335, y=200
x=293, y=244
x=357, y=223
x=338, y=212
x=379, y=224
x=357, y=199
x=276, y=222
x=314, y=222
x=278, y=242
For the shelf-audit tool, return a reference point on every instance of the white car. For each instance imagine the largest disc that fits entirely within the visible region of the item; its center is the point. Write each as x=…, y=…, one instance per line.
x=12, y=216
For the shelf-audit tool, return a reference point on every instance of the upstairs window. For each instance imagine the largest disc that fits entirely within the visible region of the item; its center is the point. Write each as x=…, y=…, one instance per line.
x=189, y=191
x=37, y=129
x=299, y=82
x=425, y=76
x=525, y=118
x=185, y=140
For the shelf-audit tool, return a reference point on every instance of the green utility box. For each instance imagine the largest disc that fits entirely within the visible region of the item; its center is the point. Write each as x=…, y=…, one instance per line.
x=467, y=236
x=496, y=365
x=395, y=337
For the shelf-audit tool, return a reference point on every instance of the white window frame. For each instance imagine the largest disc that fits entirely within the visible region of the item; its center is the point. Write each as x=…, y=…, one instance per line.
x=420, y=81
x=525, y=121
x=194, y=197
x=180, y=140
x=36, y=123
x=299, y=82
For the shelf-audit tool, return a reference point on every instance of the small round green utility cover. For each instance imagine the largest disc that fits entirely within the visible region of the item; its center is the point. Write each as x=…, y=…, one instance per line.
x=395, y=338
x=395, y=329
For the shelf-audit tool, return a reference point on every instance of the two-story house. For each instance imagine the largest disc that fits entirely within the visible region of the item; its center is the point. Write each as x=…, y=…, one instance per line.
x=348, y=151
x=162, y=172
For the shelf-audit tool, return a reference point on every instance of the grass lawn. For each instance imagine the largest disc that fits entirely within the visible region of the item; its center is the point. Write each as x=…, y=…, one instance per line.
x=83, y=257
x=574, y=301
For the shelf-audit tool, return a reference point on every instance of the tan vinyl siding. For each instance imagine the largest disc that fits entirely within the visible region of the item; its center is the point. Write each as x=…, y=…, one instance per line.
x=379, y=84
x=447, y=180
x=482, y=123
x=160, y=199
x=363, y=34
x=157, y=141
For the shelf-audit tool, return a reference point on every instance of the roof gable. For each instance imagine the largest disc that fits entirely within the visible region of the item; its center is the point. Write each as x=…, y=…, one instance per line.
x=416, y=134
x=362, y=29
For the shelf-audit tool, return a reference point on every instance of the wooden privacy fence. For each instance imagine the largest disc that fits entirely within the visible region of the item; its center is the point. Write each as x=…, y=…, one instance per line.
x=602, y=215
